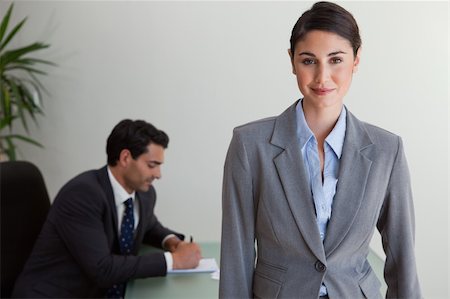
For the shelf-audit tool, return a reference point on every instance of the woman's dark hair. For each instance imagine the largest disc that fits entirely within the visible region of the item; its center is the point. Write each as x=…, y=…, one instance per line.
x=134, y=136
x=327, y=16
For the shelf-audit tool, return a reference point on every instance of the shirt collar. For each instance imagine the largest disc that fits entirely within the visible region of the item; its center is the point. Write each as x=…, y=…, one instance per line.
x=304, y=133
x=120, y=194
x=336, y=137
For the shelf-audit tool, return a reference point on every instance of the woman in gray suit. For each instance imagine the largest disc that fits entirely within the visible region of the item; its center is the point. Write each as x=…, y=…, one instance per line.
x=304, y=191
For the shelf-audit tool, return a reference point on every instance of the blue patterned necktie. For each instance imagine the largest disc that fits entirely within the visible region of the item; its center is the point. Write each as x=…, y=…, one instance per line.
x=126, y=245
x=127, y=228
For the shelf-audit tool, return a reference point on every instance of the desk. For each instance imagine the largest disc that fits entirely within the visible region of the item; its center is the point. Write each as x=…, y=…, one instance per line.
x=194, y=285
x=200, y=285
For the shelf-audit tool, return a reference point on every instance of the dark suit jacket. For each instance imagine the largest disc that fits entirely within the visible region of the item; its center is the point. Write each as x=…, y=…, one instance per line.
x=77, y=252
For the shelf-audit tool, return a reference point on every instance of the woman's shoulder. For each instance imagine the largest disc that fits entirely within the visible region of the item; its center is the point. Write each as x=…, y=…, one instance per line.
x=382, y=137
x=379, y=131
x=385, y=139
x=257, y=126
x=371, y=129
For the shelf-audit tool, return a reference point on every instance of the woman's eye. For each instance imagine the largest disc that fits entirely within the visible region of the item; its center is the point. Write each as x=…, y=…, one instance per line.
x=308, y=61
x=336, y=60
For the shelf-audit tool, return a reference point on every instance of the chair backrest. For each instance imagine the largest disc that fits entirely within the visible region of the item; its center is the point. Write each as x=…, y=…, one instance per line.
x=24, y=207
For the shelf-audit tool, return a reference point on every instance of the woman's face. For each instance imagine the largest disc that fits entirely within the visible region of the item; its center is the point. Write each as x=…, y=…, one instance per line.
x=324, y=64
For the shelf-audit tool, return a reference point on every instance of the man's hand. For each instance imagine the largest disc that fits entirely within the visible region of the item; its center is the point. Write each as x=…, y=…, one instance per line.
x=186, y=255
x=171, y=243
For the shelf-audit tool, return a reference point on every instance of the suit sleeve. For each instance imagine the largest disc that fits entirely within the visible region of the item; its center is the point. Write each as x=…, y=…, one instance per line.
x=238, y=237
x=78, y=219
x=397, y=228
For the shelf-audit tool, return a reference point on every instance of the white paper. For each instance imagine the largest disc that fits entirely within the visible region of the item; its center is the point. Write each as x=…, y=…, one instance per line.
x=216, y=275
x=205, y=265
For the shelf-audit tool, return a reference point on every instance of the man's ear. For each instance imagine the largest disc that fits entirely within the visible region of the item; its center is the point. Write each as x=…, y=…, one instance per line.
x=124, y=157
x=356, y=61
x=292, y=61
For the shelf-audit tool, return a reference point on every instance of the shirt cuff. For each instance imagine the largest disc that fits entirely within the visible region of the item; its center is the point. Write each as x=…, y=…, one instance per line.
x=169, y=261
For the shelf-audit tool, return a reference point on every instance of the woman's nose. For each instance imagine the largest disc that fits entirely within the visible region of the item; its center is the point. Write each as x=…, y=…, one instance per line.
x=322, y=74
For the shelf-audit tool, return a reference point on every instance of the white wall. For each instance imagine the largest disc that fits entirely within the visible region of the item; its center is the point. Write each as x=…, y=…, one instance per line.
x=198, y=69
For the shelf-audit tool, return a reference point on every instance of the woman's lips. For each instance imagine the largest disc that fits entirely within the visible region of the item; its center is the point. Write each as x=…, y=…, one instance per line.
x=322, y=91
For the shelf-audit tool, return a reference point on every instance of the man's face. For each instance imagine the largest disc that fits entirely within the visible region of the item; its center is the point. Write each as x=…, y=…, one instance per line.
x=140, y=173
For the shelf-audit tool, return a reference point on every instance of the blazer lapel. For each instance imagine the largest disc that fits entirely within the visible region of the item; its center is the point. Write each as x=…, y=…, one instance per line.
x=354, y=170
x=291, y=171
x=106, y=185
x=138, y=234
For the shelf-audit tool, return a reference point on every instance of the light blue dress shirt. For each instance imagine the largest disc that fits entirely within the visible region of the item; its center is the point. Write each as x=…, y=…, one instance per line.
x=322, y=192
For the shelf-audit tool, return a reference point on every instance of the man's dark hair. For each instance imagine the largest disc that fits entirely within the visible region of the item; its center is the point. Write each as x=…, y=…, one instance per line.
x=329, y=17
x=135, y=136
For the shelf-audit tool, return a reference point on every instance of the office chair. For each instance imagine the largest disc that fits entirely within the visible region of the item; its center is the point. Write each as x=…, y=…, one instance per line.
x=24, y=207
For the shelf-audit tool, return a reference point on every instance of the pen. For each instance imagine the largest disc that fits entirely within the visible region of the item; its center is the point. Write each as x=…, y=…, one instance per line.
x=192, y=239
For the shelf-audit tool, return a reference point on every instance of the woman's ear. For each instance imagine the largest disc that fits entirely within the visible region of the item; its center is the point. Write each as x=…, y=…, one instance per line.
x=356, y=61
x=292, y=61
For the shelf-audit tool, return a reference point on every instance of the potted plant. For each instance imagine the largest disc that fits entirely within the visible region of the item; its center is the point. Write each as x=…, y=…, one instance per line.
x=20, y=88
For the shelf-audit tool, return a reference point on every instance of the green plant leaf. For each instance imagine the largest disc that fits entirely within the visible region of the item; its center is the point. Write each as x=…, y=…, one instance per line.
x=25, y=68
x=12, y=56
x=28, y=61
x=25, y=139
x=5, y=22
x=10, y=150
x=20, y=88
x=6, y=101
x=6, y=122
x=35, y=61
x=20, y=100
x=2, y=99
x=33, y=101
x=12, y=33
x=8, y=147
x=24, y=96
x=38, y=87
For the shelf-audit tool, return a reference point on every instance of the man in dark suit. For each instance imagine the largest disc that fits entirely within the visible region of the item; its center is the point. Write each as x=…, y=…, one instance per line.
x=88, y=246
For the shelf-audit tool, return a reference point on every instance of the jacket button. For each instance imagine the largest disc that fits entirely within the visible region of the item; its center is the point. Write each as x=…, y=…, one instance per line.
x=320, y=266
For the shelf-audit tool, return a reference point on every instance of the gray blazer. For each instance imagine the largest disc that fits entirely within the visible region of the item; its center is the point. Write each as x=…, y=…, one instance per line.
x=271, y=246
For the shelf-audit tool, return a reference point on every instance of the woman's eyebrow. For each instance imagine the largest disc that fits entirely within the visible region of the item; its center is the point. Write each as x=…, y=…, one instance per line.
x=330, y=54
x=307, y=54
x=336, y=53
